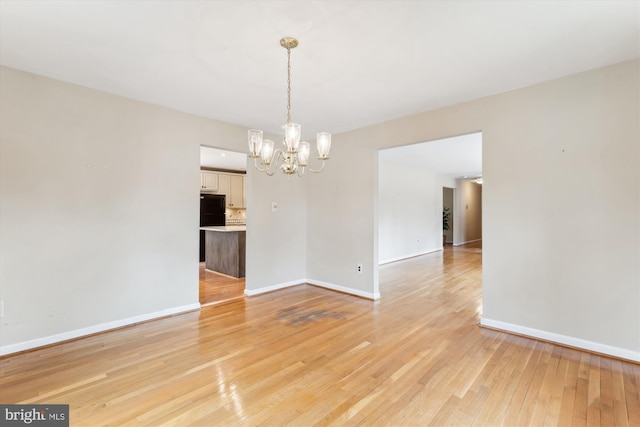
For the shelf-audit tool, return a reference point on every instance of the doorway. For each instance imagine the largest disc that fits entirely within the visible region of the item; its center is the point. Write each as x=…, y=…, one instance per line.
x=467, y=203
x=222, y=177
x=414, y=181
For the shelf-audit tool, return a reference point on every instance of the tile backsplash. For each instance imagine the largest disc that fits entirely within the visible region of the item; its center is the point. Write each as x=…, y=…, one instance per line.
x=236, y=216
x=236, y=221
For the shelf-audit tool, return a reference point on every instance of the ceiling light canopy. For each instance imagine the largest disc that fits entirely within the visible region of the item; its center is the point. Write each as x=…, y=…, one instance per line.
x=293, y=158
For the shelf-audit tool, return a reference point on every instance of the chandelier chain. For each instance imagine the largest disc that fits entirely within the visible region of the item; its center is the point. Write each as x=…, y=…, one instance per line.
x=288, y=85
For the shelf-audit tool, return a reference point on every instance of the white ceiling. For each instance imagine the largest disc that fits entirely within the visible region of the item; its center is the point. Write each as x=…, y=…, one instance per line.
x=458, y=157
x=358, y=62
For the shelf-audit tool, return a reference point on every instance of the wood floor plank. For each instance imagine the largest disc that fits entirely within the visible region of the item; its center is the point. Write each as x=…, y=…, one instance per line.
x=306, y=356
x=607, y=416
x=593, y=398
x=631, y=389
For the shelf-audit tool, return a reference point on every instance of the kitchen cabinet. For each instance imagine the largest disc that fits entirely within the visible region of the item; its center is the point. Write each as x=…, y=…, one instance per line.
x=209, y=181
x=229, y=184
x=225, y=249
x=224, y=185
x=235, y=196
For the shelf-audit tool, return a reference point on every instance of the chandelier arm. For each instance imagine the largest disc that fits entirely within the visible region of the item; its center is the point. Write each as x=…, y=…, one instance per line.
x=266, y=167
x=272, y=172
x=255, y=164
x=278, y=156
x=318, y=170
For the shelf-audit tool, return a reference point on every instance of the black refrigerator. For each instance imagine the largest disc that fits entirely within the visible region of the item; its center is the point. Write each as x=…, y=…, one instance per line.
x=212, y=212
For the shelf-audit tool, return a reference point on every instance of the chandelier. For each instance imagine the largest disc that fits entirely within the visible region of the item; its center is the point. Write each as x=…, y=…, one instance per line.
x=293, y=158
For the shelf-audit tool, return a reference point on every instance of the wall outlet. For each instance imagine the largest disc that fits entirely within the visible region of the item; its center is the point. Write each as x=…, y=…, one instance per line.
x=359, y=268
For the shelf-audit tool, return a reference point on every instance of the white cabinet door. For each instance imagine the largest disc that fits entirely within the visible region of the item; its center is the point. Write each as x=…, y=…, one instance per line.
x=224, y=185
x=208, y=181
x=229, y=184
x=235, y=197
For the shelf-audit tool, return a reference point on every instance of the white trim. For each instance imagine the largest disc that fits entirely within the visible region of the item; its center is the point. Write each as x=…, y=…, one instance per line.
x=65, y=336
x=387, y=261
x=345, y=290
x=252, y=292
x=563, y=339
x=467, y=242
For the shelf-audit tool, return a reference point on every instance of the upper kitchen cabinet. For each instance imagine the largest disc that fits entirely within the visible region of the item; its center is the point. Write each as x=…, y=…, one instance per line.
x=235, y=197
x=209, y=182
x=232, y=186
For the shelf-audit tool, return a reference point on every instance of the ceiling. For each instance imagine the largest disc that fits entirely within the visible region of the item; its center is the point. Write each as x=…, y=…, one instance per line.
x=458, y=157
x=358, y=62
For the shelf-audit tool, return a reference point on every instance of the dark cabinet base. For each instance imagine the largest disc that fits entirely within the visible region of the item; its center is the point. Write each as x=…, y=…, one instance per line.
x=225, y=252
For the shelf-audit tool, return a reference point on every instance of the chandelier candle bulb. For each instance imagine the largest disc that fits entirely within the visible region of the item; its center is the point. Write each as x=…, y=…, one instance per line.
x=292, y=137
x=324, y=144
x=267, y=151
x=294, y=158
x=255, y=143
x=303, y=153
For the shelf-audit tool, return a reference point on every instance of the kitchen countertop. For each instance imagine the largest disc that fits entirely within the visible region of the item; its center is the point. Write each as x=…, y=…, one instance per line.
x=225, y=228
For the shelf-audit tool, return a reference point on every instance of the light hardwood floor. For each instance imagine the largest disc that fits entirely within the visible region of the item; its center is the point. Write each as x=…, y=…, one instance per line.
x=307, y=356
x=216, y=288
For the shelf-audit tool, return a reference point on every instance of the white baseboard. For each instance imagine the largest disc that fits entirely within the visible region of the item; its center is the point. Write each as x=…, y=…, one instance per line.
x=390, y=260
x=331, y=286
x=334, y=287
x=52, y=339
x=252, y=292
x=467, y=242
x=621, y=353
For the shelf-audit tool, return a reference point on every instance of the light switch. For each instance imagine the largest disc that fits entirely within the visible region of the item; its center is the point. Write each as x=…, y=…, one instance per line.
x=274, y=206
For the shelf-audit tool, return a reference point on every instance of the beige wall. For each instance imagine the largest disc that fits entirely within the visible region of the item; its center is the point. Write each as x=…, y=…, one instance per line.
x=561, y=155
x=409, y=209
x=342, y=225
x=99, y=211
x=99, y=203
x=276, y=241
